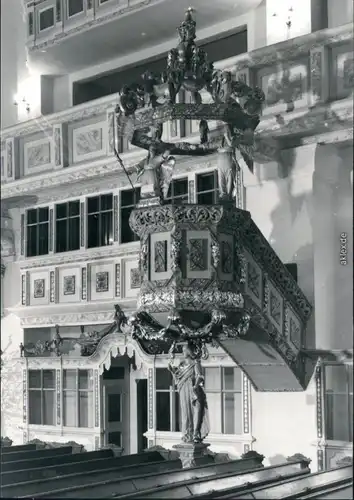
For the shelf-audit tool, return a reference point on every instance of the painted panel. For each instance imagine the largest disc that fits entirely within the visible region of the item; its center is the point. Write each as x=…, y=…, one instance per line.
x=69, y=284
x=102, y=281
x=37, y=155
x=285, y=87
x=39, y=288
x=131, y=278
x=89, y=142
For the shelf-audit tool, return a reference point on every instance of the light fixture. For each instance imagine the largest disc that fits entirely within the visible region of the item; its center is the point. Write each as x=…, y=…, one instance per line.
x=22, y=102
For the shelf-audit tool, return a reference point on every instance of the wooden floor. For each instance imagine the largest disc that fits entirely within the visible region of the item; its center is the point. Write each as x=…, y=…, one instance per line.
x=59, y=473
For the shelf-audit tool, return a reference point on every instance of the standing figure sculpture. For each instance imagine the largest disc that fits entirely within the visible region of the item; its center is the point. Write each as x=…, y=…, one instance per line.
x=194, y=409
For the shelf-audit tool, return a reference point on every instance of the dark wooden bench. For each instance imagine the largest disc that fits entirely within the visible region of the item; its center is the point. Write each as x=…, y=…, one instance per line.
x=34, y=488
x=199, y=486
x=298, y=487
x=54, y=466
x=133, y=485
x=18, y=456
x=19, y=447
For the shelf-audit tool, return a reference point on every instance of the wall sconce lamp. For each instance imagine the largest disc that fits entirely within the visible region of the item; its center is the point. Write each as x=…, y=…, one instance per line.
x=22, y=101
x=288, y=22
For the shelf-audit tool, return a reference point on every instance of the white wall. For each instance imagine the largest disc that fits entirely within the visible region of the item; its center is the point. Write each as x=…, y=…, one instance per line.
x=339, y=12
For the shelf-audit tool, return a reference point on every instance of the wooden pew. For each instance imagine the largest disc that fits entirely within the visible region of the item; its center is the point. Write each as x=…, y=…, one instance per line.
x=293, y=487
x=19, y=447
x=54, y=466
x=18, y=456
x=134, y=485
x=35, y=488
x=198, y=486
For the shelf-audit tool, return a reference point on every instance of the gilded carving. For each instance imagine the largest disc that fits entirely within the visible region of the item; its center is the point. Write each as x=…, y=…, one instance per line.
x=84, y=283
x=319, y=400
x=97, y=398
x=246, y=408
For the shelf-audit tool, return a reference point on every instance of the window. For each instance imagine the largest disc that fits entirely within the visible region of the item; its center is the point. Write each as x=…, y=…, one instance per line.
x=67, y=226
x=223, y=387
x=339, y=402
x=75, y=7
x=100, y=221
x=167, y=402
x=128, y=201
x=178, y=192
x=78, y=407
x=207, y=188
x=41, y=397
x=37, y=232
x=46, y=19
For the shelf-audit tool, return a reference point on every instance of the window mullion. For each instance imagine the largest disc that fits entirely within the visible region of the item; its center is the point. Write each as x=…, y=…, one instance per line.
x=77, y=398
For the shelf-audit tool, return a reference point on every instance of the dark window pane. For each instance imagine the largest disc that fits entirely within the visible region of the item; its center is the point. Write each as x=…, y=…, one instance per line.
x=48, y=407
x=106, y=228
x=337, y=417
x=180, y=187
x=177, y=410
x=86, y=409
x=206, y=198
x=32, y=241
x=106, y=201
x=163, y=418
x=74, y=208
x=70, y=408
x=114, y=373
x=34, y=379
x=232, y=379
x=46, y=19
x=93, y=231
x=61, y=210
x=74, y=234
x=126, y=234
x=114, y=408
x=127, y=198
x=212, y=379
x=206, y=182
x=163, y=379
x=43, y=237
x=61, y=235
x=115, y=438
x=43, y=214
x=75, y=6
x=48, y=379
x=85, y=379
x=69, y=381
x=93, y=204
x=32, y=216
x=35, y=407
x=232, y=413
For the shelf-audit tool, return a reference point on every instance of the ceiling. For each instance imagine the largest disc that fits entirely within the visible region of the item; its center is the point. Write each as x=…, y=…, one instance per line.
x=141, y=29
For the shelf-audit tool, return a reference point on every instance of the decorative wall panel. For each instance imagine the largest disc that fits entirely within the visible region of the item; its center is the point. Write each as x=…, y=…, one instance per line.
x=191, y=191
x=58, y=145
x=37, y=155
x=10, y=159
x=97, y=398
x=89, y=142
x=102, y=281
x=24, y=395
x=22, y=234
x=115, y=218
x=51, y=230
x=23, y=289
x=52, y=286
x=84, y=283
x=118, y=281
x=58, y=395
x=68, y=281
x=198, y=244
x=274, y=306
x=132, y=278
x=38, y=288
x=82, y=224
x=342, y=77
x=285, y=88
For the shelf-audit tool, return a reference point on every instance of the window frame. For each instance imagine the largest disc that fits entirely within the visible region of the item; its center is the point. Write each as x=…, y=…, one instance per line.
x=174, y=401
x=77, y=392
x=214, y=190
x=41, y=390
x=121, y=207
x=83, y=11
x=170, y=200
x=27, y=225
x=222, y=391
x=67, y=218
x=87, y=215
x=349, y=397
x=39, y=12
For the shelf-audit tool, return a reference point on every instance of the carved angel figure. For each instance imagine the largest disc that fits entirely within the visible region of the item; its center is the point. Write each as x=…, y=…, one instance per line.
x=120, y=318
x=156, y=173
x=128, y=102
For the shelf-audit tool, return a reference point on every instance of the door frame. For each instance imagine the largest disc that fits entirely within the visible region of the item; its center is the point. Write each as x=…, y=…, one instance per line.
x=116, y=387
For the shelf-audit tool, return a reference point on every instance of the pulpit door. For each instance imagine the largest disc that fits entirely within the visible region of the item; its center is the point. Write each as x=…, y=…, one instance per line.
x=116, y=428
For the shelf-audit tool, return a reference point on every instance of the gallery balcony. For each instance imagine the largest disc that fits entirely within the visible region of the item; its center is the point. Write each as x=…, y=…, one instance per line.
x=78, y=32
x=307, y=81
